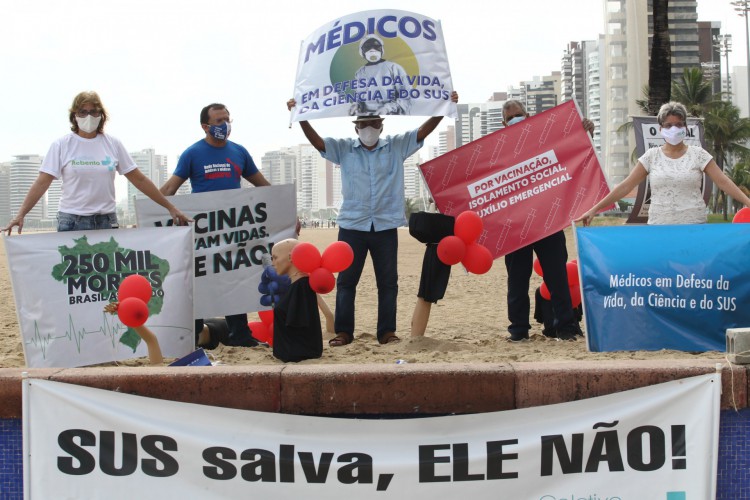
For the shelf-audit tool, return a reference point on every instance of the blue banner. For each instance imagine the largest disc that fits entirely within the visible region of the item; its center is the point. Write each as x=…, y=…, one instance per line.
x=664, y=287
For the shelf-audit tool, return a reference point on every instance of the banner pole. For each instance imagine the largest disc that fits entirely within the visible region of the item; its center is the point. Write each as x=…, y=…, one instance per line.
x=296, y=73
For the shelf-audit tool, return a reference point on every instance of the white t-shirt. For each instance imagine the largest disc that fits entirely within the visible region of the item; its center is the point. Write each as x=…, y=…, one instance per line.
x=676, y=196
x=87, y=169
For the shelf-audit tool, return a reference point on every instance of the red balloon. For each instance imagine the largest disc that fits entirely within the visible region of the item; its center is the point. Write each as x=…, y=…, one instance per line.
x=538, y=267
x=451, y=250
x=572, y=269
x=478, y=259
x=575, y=295
x=468, y=226
x=132, y=312
x=134, y=285
x=306, y=257
x=322, y=280
x=544, y=291
x=266, y=317
x=337, y=256
x=742, y=216
x=260, y=332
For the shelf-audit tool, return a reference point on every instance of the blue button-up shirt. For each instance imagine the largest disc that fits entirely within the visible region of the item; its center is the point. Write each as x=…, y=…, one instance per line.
x=372, y=181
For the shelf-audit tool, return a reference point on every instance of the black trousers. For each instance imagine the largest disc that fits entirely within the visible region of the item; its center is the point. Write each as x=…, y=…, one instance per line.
x=553, y=256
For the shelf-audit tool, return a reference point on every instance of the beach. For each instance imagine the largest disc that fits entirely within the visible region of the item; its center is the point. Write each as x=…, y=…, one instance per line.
x=467, y=326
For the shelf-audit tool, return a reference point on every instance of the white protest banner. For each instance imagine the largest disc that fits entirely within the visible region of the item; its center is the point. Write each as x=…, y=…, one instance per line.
x=234, y=229
x=377, y=62
x=62, y=281
x=655, y=442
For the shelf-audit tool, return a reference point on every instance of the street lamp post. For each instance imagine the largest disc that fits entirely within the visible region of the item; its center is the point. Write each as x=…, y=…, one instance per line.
x=724, y=44
x=742, y=7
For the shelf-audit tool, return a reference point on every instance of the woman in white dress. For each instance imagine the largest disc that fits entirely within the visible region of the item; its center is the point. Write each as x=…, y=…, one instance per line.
x=676, y=173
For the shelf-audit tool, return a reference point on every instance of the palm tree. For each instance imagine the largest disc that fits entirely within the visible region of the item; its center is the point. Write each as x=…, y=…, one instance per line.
x=694, y=91
x=411, y=205
x=726, y=134
x=660, y=65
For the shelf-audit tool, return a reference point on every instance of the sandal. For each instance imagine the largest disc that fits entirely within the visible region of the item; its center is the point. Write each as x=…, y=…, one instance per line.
x=340, y=339
x=389, y=338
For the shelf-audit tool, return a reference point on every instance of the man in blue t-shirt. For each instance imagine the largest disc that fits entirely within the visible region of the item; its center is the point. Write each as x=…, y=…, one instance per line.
x=214, y=164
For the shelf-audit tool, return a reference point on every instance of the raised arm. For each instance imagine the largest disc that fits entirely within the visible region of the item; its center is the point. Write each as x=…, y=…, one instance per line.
x=312, y=136
x=428, y=126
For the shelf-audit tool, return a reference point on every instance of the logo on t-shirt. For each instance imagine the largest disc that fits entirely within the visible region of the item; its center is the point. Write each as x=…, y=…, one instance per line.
x=87, y=162
x=217, y=170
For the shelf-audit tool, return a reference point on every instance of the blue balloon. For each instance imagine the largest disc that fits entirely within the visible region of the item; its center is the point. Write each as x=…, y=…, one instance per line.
x=276, y=299
x=273, y=287
x=263, y=288
x=266, y=300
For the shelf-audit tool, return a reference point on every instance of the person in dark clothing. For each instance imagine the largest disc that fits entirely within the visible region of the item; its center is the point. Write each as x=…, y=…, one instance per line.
x=297, y=334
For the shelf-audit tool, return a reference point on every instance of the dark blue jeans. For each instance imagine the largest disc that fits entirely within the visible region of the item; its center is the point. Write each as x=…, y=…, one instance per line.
x=553, y=256
x=383, y=249
x=72, y=222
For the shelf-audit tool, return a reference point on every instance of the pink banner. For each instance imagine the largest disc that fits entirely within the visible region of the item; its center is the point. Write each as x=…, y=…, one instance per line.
x=526, y=181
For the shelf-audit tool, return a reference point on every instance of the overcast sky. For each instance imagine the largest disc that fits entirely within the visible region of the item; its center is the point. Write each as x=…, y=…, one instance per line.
x=156, y=63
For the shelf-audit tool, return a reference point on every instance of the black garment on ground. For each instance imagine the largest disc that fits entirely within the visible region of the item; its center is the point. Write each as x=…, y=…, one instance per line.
x=218, y=330
x=435, y=275
x=296, y=324
x=430, y=228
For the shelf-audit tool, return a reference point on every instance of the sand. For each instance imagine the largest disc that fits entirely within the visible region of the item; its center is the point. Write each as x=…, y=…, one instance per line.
x=467, y=326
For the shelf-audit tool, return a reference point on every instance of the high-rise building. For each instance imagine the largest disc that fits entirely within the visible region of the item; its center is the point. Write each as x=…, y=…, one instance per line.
x=153, y=166
x=539, y=94
x=476, y=120
x=709, y=54
x=739, y=89
x=629, y=33
x=447, y=141
x=574, y=76
x=4, y=193
x=24, y=169
x=413, y=185
x=593, y=101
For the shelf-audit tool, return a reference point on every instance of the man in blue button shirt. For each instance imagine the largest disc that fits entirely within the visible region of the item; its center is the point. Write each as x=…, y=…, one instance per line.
x=372, y=184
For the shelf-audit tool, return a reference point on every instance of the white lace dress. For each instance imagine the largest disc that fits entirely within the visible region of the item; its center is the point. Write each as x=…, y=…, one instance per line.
x=676, y=196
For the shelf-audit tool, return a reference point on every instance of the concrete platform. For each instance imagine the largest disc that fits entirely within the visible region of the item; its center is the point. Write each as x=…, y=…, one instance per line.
x=377, y=389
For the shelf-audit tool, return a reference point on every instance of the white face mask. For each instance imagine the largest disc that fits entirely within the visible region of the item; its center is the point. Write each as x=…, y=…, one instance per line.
x=674, y=135
x=89, y=123
x=369, y=136
x=373, y=55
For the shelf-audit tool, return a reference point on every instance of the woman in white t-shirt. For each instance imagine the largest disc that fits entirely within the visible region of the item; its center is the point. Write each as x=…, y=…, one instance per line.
x=676, y=173
x=87, y=160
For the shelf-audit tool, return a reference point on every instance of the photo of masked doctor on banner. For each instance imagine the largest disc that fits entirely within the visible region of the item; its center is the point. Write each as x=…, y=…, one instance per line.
x=380, y=62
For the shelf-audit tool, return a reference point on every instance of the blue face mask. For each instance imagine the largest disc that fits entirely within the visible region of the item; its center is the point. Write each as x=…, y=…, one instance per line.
x=515, y=120
x=220, y=132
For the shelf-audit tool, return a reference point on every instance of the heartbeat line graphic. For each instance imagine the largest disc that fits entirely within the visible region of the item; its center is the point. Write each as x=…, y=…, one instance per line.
x=108, y=328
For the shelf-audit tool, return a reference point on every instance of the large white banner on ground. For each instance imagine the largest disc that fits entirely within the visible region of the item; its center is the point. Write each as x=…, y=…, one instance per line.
x=234, y=229
x=62, y=281
x=656, y=442
x=377, y=62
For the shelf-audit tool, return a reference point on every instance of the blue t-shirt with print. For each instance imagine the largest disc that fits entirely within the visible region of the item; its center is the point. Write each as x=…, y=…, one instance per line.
x=212, y=168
